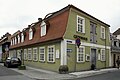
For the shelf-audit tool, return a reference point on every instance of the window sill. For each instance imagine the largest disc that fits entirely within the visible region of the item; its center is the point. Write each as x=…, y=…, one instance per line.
x=51, y=62
x=103, y=38
x=80, y=62
x=80, y=32
x=42, y=61
x=35, y=60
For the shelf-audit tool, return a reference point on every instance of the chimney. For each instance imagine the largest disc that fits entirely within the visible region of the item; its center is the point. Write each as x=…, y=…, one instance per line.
x=40, y=19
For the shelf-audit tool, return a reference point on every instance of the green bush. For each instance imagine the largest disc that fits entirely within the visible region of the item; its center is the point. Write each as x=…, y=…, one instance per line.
x=63, y=69
x=22, y=67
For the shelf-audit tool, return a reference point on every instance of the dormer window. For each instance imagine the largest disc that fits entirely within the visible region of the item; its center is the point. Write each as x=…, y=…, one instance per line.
x=18, y=37
x=15, y=40
x=22, y=37
x=43, y=28
x=11, y=42
x=30, y=34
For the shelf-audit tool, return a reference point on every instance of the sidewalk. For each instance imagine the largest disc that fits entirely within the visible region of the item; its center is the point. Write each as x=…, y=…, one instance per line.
x=92, y=72
x=40, y=74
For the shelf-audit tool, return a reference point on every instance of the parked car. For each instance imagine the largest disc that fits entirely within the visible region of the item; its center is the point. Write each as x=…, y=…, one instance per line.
x=12, y=62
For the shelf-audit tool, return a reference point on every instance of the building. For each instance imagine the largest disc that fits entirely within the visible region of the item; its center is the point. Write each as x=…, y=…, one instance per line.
x=51, y=42
x=4, y=46
x=115, y=46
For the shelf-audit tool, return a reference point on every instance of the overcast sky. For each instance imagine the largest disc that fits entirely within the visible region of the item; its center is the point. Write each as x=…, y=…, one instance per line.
x=17, y=14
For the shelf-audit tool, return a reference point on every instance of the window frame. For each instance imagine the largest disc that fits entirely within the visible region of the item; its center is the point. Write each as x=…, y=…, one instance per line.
x=25, y=54
x=102, y=32
x=18, y=37
x=43, y=28
x=83, y=53
x=81, y=24
x=30, y=34
x=48, y=57
x=42, y=60
x=30, y=58
x=35, y=59
x=22, y=37
x=103, y=55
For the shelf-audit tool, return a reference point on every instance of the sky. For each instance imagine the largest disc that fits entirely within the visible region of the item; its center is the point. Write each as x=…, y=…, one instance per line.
x=18, y=14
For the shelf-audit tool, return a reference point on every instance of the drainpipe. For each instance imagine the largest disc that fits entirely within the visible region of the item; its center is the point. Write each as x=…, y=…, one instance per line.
x=105, y=47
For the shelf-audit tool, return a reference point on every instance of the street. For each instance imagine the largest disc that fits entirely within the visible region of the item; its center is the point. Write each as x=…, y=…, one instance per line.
x=8, y=74
x=106, y=76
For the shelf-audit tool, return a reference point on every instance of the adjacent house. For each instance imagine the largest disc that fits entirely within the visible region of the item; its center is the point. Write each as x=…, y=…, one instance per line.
x=52, y=42
x=4, y=46
x=115, y=46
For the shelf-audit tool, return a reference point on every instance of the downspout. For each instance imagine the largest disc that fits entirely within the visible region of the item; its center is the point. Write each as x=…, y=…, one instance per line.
x=105, y=47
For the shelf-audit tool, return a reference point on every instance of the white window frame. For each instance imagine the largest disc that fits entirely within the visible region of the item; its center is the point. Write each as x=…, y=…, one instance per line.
x=22, y=37
x=30, y=33
x=43, y=28
x=40, y=54
x=15, y=40
x=19, y=54
x=11, y=42
x=82, y=53
x=49, y=53
x=83, y=24
x=25, y=54
x=35, y=54
x=18, y=37
x=103, y=55
x=102, y=32
x=30, y=53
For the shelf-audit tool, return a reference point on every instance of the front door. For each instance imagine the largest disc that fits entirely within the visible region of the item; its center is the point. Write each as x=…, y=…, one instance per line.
x=93, y=58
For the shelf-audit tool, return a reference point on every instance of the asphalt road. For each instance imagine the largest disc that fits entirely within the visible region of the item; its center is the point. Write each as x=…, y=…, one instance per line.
x=8, y=74
x=106, y=76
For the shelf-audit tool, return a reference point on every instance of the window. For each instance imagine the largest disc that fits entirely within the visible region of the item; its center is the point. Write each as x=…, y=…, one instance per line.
x=19, y=54
x=115, y=43
x=43, y=28
x=51, y=53
x=102, y=54
x=42, y=54
x=29, y=54
x=25, y=54
x=80, y=24
x=93, y=33
x=15, y=40
x=102, y=32
x=11, y=42
x=35, y=54
x=18, y=38
x=81, y=54
x=30, y=34
x=22, y=37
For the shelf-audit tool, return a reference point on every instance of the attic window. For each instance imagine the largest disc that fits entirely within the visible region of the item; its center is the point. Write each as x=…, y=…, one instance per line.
x=43, y=28
x=30, y=34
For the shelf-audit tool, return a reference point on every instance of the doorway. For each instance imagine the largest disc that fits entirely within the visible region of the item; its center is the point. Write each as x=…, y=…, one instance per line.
x=93, y=59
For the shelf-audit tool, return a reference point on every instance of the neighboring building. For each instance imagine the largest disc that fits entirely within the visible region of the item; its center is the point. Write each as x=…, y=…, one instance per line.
x=50, y=42
x=115, y=46
x=4, y=46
